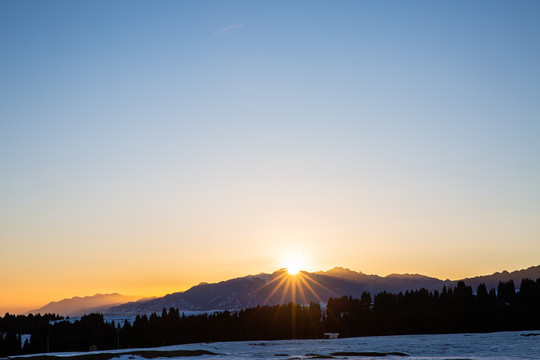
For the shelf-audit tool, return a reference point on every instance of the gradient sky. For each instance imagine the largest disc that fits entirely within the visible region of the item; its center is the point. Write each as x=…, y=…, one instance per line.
x=146, y=146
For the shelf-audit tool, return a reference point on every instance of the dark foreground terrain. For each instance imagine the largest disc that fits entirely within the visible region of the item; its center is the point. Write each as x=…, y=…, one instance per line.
x=453, y=310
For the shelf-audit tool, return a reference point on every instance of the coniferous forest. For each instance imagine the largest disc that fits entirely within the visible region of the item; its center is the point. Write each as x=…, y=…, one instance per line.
x=453, y=310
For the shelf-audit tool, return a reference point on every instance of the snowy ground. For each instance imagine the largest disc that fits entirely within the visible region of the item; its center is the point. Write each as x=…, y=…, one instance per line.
x=503, y=345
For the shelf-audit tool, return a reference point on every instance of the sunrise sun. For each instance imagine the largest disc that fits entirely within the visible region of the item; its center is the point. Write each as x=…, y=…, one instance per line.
x=293, y=263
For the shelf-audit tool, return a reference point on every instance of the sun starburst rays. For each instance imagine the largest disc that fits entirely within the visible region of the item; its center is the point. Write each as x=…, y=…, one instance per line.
x=292, y=289
x=297, y=288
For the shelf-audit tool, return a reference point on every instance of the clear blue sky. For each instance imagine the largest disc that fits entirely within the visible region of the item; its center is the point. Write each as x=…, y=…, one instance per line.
x=198, y=140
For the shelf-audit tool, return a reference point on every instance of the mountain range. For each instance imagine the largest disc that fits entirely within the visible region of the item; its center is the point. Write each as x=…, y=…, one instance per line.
x=77, y=306
x=275, y=288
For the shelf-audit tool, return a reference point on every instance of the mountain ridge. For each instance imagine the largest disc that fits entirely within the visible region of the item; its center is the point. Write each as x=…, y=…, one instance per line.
x=270, y=289
x=265, y=289
x=78, y=305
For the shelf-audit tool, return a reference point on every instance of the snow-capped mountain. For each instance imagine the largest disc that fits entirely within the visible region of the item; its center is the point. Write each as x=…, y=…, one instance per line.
x=280, y=287
x=268, y=289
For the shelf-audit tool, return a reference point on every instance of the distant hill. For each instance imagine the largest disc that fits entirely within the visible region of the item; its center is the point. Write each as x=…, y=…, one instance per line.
x=491, y=281
x=279, y=287
x=77, y=306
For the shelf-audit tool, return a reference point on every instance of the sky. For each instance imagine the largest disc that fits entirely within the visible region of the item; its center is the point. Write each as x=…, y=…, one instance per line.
x=147, y=146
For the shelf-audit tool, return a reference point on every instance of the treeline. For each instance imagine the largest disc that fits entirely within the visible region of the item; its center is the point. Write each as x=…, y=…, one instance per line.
x=452, y=310
x=13, y=326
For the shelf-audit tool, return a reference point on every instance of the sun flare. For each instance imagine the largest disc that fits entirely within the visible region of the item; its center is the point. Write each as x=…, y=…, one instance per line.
x=293, y=270
x=294, y=263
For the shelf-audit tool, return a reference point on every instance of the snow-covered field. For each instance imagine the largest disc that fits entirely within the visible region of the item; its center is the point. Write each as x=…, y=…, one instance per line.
x=503, y=345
